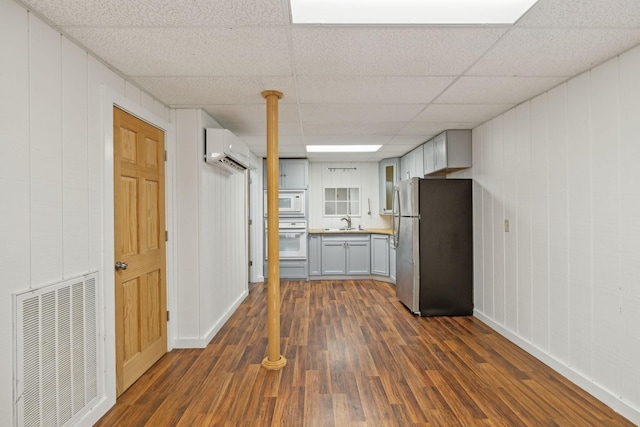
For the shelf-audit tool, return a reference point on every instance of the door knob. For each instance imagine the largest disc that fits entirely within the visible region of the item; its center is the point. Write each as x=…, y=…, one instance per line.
x=121, y=265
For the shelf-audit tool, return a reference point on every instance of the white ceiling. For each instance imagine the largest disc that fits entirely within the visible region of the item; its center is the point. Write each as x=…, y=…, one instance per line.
x=391, y=85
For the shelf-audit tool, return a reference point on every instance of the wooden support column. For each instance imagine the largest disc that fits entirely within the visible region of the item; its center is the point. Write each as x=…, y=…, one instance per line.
x=274, y=359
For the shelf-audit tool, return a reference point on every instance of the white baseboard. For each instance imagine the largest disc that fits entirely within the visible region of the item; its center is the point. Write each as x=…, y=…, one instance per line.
x=97, y=412
x=605, y=396
x=202, y=342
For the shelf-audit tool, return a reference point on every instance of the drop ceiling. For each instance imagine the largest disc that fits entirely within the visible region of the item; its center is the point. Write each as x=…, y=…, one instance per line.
x=371, y=84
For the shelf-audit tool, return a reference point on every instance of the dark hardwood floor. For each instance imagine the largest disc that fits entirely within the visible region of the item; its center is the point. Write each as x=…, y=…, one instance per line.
x=355, y=357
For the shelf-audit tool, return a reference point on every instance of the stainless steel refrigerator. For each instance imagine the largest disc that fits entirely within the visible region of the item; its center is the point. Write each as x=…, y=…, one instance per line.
x=433, y=230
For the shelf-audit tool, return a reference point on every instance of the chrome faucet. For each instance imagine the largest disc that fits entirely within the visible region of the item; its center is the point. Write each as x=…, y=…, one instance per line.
x=348, y=219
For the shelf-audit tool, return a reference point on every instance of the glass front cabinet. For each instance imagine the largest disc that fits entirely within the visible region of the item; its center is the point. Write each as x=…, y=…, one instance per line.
x=388, y=178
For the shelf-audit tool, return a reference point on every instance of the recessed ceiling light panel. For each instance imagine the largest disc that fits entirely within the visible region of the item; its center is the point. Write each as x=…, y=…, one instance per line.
x=408, y=11
x=342, y=148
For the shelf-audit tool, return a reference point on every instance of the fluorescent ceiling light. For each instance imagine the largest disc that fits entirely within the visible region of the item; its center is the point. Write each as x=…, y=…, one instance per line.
x=408, y=11
x=342, y=148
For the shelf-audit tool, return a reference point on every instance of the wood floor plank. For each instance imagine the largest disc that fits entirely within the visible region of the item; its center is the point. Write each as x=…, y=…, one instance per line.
x=356, y=357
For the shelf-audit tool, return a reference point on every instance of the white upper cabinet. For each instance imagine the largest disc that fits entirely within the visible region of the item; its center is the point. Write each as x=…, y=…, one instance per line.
x=411, y=164
x=448, y=152
x=429, y=158
x=294, y=174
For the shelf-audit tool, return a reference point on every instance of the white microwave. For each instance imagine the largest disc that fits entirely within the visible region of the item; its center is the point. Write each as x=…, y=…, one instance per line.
x=290, y=203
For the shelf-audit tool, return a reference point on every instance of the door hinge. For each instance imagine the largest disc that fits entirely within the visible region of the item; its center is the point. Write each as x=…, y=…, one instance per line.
x=250, y=263
x=250, y=222
x=165, y=155
x=166, y=236
x=167, y=315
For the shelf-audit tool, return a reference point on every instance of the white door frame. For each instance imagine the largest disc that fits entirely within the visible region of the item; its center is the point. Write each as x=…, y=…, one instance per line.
x=109, y=98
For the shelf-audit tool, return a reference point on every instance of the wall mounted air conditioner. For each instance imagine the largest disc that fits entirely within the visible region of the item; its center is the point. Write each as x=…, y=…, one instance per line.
x=224, y=149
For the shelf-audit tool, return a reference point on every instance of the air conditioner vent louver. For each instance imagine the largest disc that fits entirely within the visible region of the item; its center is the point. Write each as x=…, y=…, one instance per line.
x=224, y=149
x=57, y=347
x=230, y=163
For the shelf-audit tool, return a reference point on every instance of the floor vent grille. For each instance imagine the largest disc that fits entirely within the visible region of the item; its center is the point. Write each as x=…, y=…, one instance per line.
x=57, y=354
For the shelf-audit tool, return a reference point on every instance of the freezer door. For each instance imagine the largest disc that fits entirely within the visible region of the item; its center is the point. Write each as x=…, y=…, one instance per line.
x=408, y=263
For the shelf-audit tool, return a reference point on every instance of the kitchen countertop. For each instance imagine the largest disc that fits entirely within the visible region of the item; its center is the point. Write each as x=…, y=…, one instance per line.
x=355, y=231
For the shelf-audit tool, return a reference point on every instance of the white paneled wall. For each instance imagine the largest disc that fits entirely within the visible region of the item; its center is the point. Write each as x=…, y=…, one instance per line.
x=510, y=191
x=363, y=175
x=605, y=229
x=45, y=130
x=75, y=162
x=212, y=262
x=15, y=184
x=51, y=166
x=564, y=282
x=628, y=116
x=558, y=232
x=579, y=201
x=223, y=244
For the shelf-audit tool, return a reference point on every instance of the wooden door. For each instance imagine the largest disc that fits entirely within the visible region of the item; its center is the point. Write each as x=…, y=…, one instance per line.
x=141, y=315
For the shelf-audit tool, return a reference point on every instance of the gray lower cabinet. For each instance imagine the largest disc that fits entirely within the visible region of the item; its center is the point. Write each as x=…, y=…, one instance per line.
x=347, y=255
x=290, y=269
x=334, y=257
x=293, y=269
x=380, y=254
x=315, y=255
x=358, y=258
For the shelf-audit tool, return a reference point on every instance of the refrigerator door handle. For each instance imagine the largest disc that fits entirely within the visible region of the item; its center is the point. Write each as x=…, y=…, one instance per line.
x=393, y=228
x=395, y=205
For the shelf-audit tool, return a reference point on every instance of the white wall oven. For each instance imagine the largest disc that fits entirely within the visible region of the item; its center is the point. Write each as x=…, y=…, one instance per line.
x=291, y=203
x=293, y=239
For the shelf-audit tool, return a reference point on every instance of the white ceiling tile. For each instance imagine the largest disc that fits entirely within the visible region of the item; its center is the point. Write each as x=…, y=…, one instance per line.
x=260, y=128
x=552, y=52
x=392, y=51
x=461, y=112
x=190, y=51
x=378, y=90
x=497, y=90
x=363, y=113
x=392, y=85
x=428, y=130
x=353, y=128
x=581, y=13
x=162, y=13
x=240, y=12
x=194, y=91
x=261, y=140
x=251, y=113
